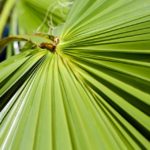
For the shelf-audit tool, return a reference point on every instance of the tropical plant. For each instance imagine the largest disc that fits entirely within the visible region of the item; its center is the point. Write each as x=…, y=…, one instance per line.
x=84, y=84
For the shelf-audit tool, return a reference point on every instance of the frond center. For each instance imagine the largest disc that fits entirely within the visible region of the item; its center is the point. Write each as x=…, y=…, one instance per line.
x=50, y=46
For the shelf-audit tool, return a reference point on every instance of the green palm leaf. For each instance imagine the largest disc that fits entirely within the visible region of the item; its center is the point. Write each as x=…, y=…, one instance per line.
x=92, y=93
x=41, y=16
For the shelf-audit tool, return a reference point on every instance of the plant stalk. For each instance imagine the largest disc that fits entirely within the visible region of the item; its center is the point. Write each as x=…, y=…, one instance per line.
x=5, y=14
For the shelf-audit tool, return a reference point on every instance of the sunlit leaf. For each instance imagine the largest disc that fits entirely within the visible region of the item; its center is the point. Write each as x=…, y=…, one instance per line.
x=92, y=92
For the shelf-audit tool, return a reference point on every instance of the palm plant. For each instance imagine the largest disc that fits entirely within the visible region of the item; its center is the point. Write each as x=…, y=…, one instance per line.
x=81, y=80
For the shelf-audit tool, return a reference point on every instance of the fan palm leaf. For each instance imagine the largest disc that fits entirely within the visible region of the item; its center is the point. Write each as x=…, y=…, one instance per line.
x=92, y=92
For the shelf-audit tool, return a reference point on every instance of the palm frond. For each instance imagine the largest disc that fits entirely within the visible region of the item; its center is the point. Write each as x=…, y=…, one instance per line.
x=92, y=93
